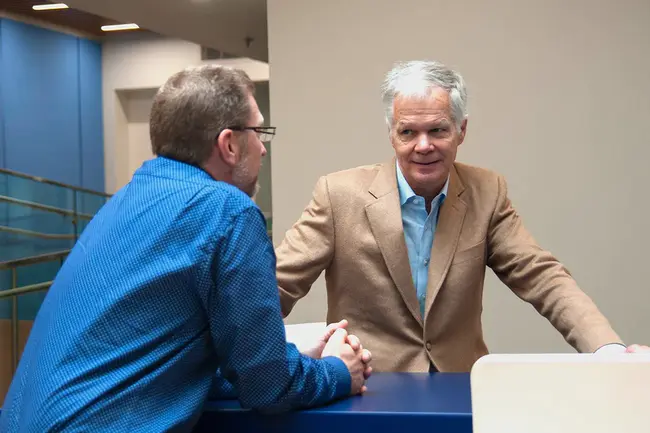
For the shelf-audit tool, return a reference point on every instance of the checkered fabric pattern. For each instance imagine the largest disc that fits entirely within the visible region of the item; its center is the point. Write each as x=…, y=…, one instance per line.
x=169, y=295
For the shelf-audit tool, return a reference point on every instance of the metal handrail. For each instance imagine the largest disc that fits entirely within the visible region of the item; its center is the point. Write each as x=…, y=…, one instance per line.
x=44, y=207
x=25, y=289
x=53, y=182
x=14, y=292
x=36, y=234
x=13, y=265
x=31, y=260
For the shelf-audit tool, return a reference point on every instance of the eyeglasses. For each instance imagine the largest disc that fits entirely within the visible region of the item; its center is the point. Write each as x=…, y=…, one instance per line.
x=264, y=133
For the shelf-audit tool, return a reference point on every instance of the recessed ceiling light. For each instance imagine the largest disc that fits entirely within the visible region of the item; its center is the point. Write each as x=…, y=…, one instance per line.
x=117, y=27
x=50, y=7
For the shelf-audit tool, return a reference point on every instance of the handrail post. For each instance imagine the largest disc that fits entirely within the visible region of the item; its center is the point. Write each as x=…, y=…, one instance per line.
x=14, y=323
x=74, y=218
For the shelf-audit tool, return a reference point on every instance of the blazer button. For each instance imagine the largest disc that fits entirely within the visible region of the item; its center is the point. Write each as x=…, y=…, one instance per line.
x=428, y=345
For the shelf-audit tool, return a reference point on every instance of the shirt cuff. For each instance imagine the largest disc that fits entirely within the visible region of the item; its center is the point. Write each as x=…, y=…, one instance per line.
x=341, y=374
x=611, y=348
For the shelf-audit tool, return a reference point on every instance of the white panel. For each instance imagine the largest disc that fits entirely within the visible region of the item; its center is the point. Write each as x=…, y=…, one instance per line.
x=578, y=393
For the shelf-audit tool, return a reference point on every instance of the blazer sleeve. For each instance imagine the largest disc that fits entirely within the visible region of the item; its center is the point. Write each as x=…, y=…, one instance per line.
x=540, y=279
x=307, y=249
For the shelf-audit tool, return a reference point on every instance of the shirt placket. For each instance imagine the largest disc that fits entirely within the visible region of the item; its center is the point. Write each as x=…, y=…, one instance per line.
x=424, y=254
x=422, y=261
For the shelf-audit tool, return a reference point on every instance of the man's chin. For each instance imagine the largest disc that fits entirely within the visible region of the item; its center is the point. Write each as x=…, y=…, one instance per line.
x=253, y=190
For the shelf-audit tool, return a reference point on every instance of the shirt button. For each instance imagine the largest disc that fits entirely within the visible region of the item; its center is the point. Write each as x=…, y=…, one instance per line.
x=426, y=262
x=428, y=346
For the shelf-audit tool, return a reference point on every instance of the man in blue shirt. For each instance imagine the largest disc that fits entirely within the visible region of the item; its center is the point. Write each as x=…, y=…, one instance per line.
x=170, y=293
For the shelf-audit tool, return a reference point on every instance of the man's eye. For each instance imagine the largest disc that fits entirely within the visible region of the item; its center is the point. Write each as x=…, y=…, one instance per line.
x=406, y=132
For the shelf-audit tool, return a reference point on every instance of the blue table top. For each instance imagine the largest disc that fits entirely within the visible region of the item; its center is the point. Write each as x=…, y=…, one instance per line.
x=431, y=402
x=437, y=402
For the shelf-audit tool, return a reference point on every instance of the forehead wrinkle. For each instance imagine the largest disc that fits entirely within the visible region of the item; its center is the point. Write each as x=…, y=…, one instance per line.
x=430, y=121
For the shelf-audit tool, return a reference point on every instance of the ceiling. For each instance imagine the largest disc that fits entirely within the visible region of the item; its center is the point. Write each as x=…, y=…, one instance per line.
x=234, y=26
x=74, y=20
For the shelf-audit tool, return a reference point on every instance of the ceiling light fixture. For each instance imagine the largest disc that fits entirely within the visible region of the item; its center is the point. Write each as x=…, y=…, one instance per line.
x=50, y=7
x=118, y=27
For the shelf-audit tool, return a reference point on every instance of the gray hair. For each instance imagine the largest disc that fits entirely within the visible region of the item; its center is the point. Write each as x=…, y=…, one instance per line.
x=194, y=106
x=416, y=79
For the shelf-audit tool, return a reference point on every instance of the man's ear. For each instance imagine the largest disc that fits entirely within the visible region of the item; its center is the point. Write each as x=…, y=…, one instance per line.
x=463, y=131
x=227, y=147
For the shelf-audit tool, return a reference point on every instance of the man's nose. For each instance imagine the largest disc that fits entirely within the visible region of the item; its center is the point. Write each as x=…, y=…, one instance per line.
x=423, y=144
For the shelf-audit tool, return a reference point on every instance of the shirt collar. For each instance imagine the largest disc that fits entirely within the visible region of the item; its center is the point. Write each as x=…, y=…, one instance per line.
x=405, y=190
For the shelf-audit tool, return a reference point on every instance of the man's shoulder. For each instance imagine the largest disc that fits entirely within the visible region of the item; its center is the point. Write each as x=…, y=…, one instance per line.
x=473, y=172
x=212, y=208
x=356, y=179
x=225, y=192
x=360, y=172
x=477, y=178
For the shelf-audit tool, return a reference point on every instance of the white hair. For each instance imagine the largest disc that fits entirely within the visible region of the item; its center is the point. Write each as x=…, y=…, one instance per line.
x=416, y=78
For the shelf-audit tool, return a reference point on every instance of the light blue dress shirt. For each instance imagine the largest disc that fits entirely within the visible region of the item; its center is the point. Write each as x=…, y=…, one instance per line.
x=419, y=230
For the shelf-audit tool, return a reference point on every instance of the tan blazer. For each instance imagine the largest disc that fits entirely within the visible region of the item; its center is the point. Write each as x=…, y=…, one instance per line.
x=352, y=229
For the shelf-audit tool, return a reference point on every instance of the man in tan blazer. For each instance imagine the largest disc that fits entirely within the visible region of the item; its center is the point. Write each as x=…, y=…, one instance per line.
x=405, y=244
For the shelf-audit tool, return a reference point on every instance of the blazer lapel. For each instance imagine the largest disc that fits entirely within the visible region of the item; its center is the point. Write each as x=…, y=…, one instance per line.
x=450, y=222
x=385, y=217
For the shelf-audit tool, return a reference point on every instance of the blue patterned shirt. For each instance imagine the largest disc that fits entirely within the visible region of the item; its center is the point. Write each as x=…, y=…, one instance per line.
x=170, y=294
x=419, y=230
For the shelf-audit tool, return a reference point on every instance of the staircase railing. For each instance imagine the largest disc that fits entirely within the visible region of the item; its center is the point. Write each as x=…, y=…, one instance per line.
x=73, y=213
x=26, y=201
x=52, y=182
x=14, y=291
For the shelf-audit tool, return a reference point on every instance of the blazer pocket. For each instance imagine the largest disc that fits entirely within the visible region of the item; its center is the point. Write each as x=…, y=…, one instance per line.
x=474, y=252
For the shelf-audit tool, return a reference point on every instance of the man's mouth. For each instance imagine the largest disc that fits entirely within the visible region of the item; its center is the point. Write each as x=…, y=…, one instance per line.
x=426, y=163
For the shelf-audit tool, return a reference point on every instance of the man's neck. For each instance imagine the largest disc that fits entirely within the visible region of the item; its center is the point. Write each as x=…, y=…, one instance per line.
x=430, y=194
x=217, y=172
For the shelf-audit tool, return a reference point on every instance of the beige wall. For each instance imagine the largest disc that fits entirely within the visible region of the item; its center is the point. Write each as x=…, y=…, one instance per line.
x=559, y=101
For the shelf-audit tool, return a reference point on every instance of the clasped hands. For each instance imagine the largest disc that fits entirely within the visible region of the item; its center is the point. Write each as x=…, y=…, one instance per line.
x=637, y=348
x=336, y=341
